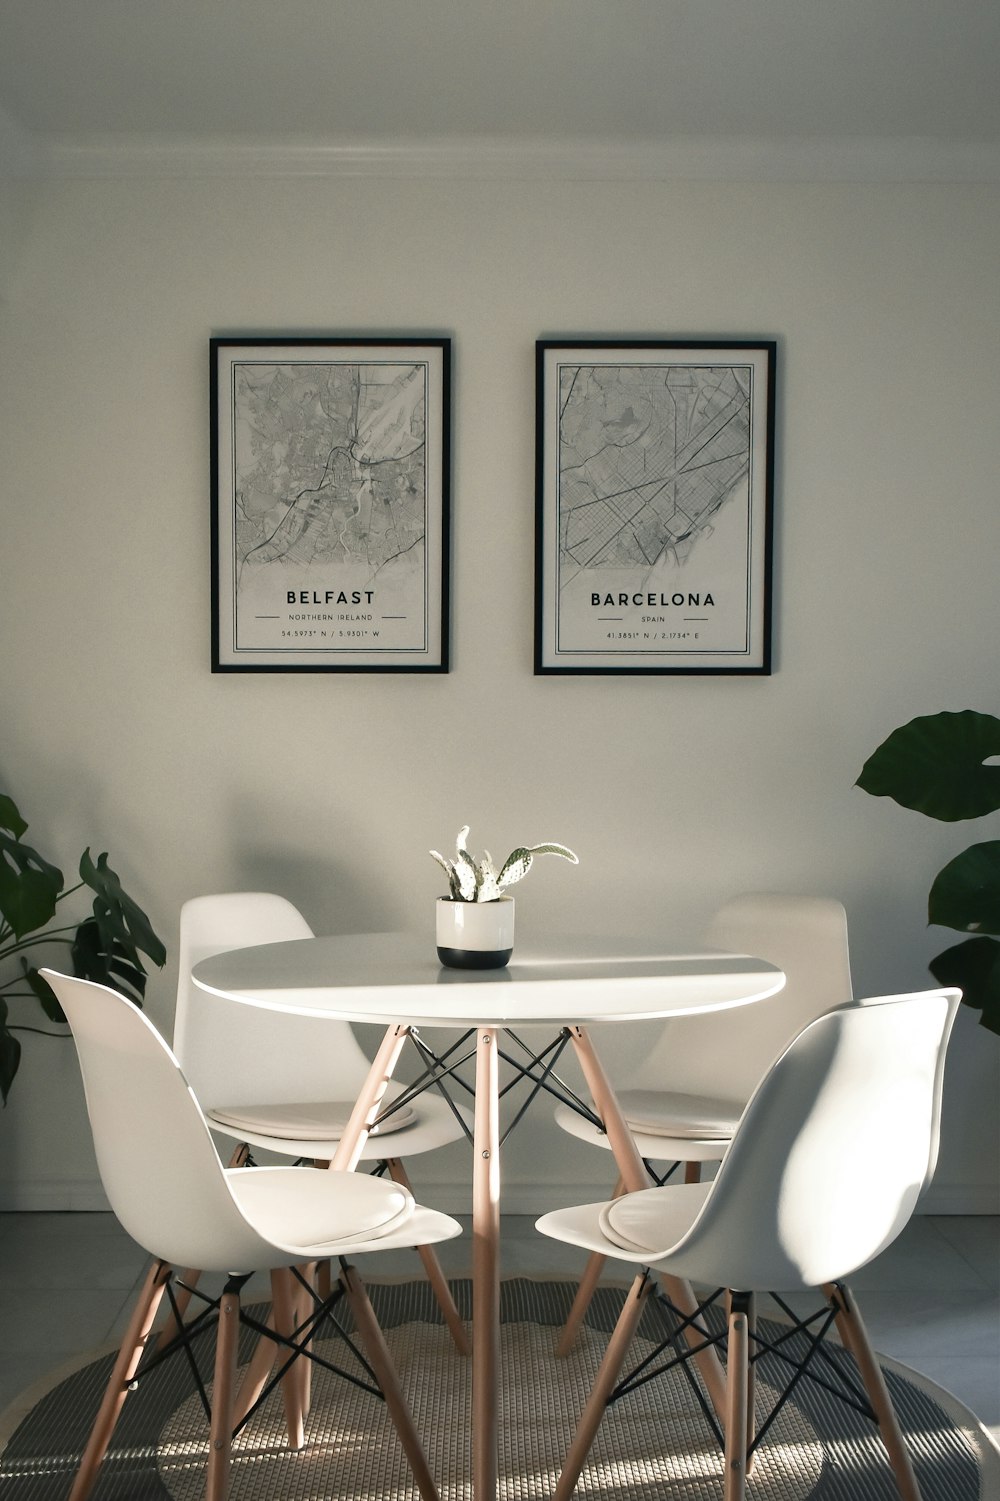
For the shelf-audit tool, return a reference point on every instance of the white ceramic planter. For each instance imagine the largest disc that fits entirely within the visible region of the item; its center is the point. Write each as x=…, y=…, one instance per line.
x=475, y=935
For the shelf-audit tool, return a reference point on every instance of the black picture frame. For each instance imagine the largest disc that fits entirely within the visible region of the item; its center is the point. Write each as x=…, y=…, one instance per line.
x=331, y=483
x=654, y=505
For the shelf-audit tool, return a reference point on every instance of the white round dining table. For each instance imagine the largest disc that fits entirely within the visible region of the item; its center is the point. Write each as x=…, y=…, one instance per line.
x=561, y=983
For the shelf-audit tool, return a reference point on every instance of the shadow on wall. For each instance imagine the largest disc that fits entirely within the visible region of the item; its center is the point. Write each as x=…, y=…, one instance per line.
x=334, y=895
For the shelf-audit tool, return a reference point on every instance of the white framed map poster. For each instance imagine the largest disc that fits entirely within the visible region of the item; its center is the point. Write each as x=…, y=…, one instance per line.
x=654, y=497
x=330, y=504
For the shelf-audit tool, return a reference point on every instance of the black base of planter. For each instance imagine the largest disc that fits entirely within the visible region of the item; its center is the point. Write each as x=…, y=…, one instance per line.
x=474, y=958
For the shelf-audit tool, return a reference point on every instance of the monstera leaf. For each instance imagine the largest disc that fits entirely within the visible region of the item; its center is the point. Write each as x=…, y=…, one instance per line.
x=939, y=765
x=974, y=966
x=966, y=893
x=10, y=1053
x=935, y=765
x=29, y=885
x=107, y=946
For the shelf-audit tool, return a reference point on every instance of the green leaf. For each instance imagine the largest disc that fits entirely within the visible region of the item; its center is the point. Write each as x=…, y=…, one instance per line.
x=449, y=871
x=10, y=818
x=29, y=886
x=10, y=1054
x=466, y=875
x=487, y=887
x=974, y=966
x=934, y=765
x=114, y=965
x=43, y=993
x=966, y=893
x=554, y=849
x=122, y=924
x=515, y=867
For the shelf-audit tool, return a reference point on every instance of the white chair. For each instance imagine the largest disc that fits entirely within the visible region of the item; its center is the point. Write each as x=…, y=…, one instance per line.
x=288, y=1083
x=168, y=1188
x=824, y=1170
x=689, y=1090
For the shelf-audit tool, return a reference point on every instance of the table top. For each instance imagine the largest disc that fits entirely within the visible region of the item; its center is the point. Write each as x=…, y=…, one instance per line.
x=396, y=977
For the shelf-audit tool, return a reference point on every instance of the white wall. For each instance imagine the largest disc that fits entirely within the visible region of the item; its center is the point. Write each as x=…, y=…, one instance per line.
x=676, y=792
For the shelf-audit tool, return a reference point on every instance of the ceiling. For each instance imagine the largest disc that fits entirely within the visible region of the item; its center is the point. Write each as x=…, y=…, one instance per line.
x=614, y=70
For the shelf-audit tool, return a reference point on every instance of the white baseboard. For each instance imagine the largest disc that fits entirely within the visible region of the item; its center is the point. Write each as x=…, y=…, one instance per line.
x=57, y=1194
x=536, y=1199
x=961, y=1198
x=50, y=1195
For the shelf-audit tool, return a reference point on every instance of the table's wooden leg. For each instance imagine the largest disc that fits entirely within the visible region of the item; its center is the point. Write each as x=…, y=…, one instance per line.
x=486, y=1269
x=369, y=1101
x=635, y=1177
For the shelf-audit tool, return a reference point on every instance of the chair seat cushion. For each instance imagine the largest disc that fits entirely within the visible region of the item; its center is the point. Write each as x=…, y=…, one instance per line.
x=297, y=1121
x=679, y=1115
x=309, y=1207
x=652, y=1221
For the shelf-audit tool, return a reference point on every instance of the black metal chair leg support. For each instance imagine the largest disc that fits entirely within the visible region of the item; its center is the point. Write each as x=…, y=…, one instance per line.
x=676, y=1323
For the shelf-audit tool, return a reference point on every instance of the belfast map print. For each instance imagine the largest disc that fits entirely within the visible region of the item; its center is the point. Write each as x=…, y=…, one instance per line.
x=333, y=502
x=650, y=475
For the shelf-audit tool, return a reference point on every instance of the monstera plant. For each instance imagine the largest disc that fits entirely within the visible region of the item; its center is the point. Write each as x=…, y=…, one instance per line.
x=942, y=765
x=104, y=946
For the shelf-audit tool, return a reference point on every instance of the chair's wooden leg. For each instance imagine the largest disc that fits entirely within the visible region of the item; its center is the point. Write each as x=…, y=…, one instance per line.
x=324, y=1280
x=751, y=1378
x=432, y=1267
x=737, y=1427
x=288, y=1300
x=751, y=1311
x=190, y=1276
x=283, y=1305
x=223, y=1390
x=137, y=1335
x=302, y=1307
x=188, y=1280
x=586, y=1288
x=597, y=1402
x=855, y=1338
x=385, y=1373
x=256, y=1375
x=692, y=1172
x=633, y=1170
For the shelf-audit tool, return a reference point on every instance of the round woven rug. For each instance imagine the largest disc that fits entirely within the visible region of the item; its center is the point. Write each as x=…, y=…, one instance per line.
x=654, y=1443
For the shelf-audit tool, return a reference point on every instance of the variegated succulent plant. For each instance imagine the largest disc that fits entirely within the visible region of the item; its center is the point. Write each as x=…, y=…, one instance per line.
x=471, y=880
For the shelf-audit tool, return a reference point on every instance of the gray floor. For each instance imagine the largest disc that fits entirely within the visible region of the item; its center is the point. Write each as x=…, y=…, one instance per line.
x=932, y=1300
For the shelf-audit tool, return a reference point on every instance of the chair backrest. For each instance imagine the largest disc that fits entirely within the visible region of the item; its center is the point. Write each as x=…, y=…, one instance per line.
x=159, y=1168
x=726, y=1053
x=236, y=1054
x=833, y=1150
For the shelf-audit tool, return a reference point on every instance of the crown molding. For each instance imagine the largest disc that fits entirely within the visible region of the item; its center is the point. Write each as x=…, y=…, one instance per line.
x=694, y=158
